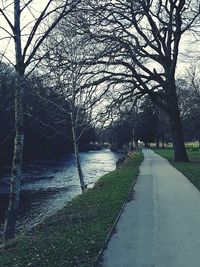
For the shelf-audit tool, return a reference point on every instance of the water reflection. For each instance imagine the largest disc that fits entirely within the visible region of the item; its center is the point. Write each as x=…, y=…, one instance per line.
x=48, y=185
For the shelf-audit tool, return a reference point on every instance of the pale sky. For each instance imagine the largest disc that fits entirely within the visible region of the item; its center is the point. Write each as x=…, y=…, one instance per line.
x=28, y=17
x=188, y=48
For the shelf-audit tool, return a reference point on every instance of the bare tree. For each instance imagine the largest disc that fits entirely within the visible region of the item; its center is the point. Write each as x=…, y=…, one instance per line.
x=67, y=68
x=141, y=47
x=188, y=88
x=28, y=35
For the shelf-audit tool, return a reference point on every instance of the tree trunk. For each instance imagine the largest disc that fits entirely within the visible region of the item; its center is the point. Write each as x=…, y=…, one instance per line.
x=76, y=152
x=14, y=196
x=163, y=141
x=135, y=139
x=135, y=143
x=199, y=140
x=180, y=154
x=157, y=142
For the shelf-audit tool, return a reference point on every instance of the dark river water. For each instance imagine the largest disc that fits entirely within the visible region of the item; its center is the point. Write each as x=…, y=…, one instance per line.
x=48, y=185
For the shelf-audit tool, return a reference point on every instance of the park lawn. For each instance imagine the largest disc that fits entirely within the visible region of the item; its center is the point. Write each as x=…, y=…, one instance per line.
x=190, y=169
x=75, y=235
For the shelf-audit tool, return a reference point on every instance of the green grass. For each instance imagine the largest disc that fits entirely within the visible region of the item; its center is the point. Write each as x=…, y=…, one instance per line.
x=190, y=169
x=193, y=144
x=75, y=235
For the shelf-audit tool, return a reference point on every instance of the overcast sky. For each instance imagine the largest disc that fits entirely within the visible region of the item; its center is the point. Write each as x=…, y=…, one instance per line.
x=189, y=50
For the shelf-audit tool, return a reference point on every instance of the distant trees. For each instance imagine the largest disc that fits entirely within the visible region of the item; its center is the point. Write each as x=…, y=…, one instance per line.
x=145, y=122
x=47, y=127
x=189, y=99
x=7, y=79
x=153, y=123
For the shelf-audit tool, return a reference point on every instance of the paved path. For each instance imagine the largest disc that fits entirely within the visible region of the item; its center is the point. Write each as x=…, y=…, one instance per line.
x=160, y=227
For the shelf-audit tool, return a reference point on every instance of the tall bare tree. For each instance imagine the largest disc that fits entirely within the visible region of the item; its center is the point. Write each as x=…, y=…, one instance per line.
x=66, y=64
x=28, y=26
x=141, y=47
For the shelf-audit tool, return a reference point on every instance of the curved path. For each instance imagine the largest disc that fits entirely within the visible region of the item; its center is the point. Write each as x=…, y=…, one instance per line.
x=160, y=227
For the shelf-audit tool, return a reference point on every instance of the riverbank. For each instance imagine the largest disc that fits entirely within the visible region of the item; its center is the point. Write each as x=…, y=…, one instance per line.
x=47, y=186
x=190, y=169
x=76, y=234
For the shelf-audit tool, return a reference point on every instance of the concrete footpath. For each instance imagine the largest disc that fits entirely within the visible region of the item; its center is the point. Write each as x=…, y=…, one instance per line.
x=160, y=227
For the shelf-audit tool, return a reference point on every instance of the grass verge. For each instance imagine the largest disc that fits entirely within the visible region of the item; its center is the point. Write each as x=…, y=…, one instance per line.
x=190, y=169
x=74, y=236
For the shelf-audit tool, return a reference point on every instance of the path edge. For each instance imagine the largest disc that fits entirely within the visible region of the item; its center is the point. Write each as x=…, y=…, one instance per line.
x=97, y=262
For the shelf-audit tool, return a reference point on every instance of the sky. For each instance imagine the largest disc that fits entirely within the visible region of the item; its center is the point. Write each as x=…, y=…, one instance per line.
x=189, y=50
x=28, y=18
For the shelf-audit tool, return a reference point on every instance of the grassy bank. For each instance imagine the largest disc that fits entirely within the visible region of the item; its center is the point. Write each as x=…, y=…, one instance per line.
x=74, y=236
x=190, y=169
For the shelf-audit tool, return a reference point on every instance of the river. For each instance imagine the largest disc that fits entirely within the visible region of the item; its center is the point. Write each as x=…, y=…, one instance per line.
x=47, y=186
